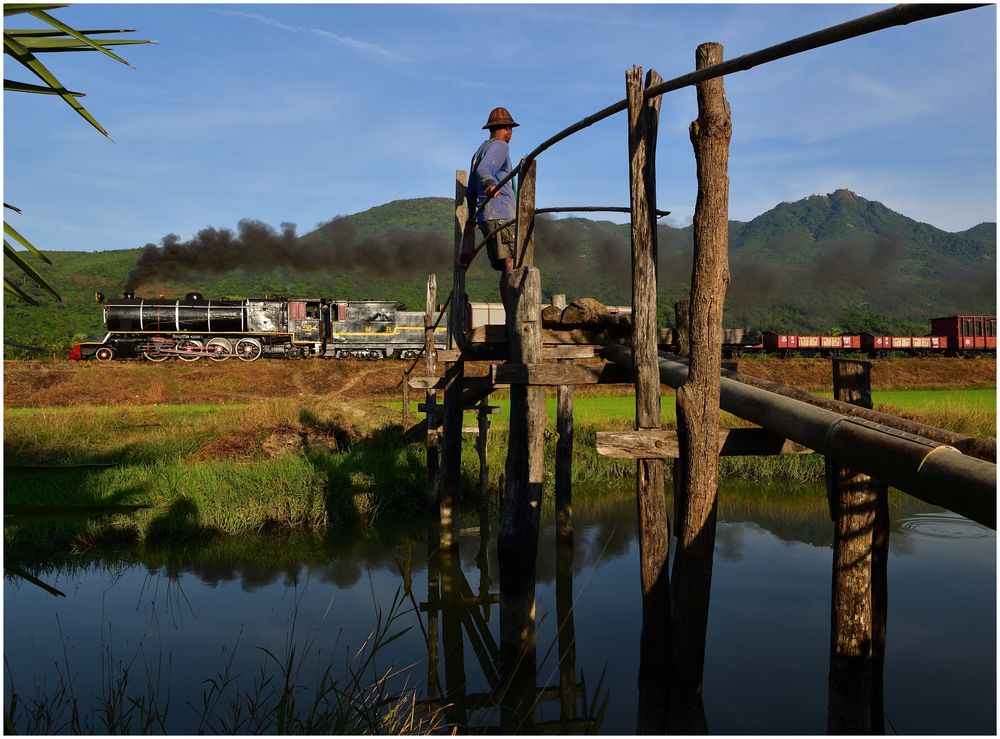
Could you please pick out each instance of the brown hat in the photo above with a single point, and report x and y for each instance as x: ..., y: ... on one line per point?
x: 500, y: 117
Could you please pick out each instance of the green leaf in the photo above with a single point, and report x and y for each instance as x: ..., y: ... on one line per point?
x: 12, y: 207
x: 9, y: 287
x: 16, y: 258
x: 40, y: 32
x: 25, y: 57
x: 47, y: 45
x: 56, y: 23
x: 13, y: 233
x: 15, y: 86
x: 15, y: 8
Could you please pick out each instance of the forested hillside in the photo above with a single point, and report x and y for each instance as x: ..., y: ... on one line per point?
x: 826, y: 263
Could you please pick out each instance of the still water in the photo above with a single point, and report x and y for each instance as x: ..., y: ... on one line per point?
x: 175, y: 619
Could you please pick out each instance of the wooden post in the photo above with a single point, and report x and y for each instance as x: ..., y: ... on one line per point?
x: 698, y: 399
x: 517, y: 542
x: 654, y: 535
x: 564, y: 460
x: 406, y: 400
x: 451, y: 452
x: 682, y: 318
x: 482, y: 447
x: 525, y: 236
x: 559, y: 301
x: 430, y: 370
x: 857, y: 622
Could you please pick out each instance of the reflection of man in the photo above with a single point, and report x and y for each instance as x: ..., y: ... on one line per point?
x: 490, y: 165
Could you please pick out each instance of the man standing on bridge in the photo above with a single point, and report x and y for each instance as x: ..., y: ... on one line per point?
x: 495, y: 205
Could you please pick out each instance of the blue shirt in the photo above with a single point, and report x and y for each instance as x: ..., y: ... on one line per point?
x: 490, y: 164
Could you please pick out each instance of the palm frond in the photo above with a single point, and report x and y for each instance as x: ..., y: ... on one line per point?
x: 17, y: 259
x: 12, y: 289
x: 15, y: 86
x: 56, y: 23
x: 13, y: 233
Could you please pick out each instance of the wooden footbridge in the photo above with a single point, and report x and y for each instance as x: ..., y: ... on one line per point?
x: 865, y: 451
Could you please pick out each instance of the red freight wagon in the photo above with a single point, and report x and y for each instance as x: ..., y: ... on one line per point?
x: 967, y: 333
x: 840, y: 342
x: 780, y: 342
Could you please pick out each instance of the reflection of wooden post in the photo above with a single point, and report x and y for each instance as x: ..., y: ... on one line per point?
x: 698, y: 398
x: 433, y: 608
x: 430, y: 369
x: 451, y: 633
x: 567, y: 632
x: 517, y: 542
x: 643, y: 119
x: 564, y: 460
x: 858, y: 601
x: 451, y: 451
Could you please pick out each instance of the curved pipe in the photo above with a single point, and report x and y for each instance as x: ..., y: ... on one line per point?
x: 933, y: 472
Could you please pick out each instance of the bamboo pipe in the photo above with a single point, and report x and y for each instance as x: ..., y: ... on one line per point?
x: 935, y: 473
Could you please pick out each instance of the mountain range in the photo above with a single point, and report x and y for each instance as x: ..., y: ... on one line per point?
x: 825, y: 264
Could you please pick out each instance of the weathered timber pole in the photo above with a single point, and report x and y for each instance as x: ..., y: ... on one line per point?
x: 517, y: 541
x: 564, y: 459
x: 698, y: 401
x: 525, y: 236
x: 451, y: 452
x: 654, y: 535
x: 935, y: 473
x: 682, y: 322
x: 430, y: 369
x: 854, y: 500
x: 482, y: 447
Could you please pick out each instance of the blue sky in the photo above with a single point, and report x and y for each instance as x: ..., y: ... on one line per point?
x: 300, y: 113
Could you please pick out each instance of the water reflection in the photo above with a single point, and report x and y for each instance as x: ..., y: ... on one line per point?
x: 201, y: 607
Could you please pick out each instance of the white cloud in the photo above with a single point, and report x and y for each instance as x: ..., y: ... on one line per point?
x: 347, y: 42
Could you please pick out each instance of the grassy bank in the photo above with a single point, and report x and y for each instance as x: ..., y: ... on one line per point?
x: 204, y: 470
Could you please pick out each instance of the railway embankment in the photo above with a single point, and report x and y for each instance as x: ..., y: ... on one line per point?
x: 36, y: 384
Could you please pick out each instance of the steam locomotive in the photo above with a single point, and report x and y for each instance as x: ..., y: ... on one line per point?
x: 193, y: 328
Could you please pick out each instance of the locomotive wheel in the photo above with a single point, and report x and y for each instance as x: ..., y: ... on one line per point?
x: 248, y: 350
x: 104, y: 354
x: 155, y: 357
x: 189, y: 345
x: 219, y: 349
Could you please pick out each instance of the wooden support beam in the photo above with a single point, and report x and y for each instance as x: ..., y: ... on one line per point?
x: 698, y: 401
x: 665, y: 444
x: 435, y: 408
x: 561, y: 374
x: 433, y: 382
x: 654, y: 536
x: 430, y: 367
x: 596, y: 336
x: 564, y: 458
x: 451, y: 448
x: 517, y: 542
x: 859, y: 508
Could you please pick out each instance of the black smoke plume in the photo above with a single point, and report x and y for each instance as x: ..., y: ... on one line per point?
x: 335, y: 246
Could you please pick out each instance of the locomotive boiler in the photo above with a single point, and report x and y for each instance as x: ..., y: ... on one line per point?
x: 193, y: 328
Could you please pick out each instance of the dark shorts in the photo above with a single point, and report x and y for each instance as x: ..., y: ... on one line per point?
x: 500, y: 246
